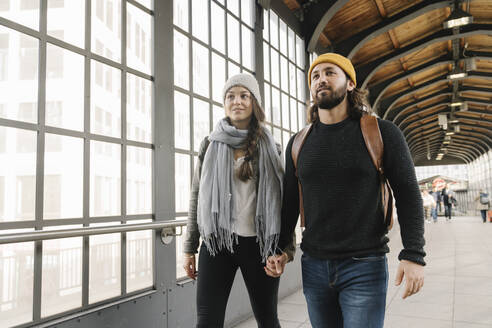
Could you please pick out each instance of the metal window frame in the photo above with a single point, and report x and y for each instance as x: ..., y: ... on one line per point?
x: 39, y: 223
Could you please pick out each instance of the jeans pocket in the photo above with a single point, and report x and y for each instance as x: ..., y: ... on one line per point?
x: 369, y: 258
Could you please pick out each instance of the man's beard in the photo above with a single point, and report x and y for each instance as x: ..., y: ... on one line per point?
x: 331, y: 99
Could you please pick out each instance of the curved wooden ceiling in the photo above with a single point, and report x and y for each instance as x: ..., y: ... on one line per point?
x: 403, y: 56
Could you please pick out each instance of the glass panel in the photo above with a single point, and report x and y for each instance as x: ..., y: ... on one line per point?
x: 266, y: 61
x: 292, y: 79
x: 233, y: 38
x: 302, y: 114
x: 181, y: 121
x: 64, y: 71
x: 266, y: 30
x: 233, y: 69
x: 300, y: 52
x: 201, y: 125
x: 18, y: 72
x: 138, y: 108
x: 247, y: 12
x: 284, y: 76
x: 283, y: 37
x: 18, y: 167
x: 61, y: 288
x: 67, y: 21
x: 218, y: 114
x: 267, y: 105
x: 138, y: 180
x: 276, y: 106
x: 292, y: 44
x: 274, y: 66
x: 293, y: 115
x: 180, y: 17
x: 17, y: 268
x: 273, y: 29
x: 200, y: 70
x: 105, y: 100
x: 218, y: 27
x: 139, y: 39
x: 106, y: 29
x: 182, y: 182
x: 285, y: 140
x: 105, y: 183
x: 139, y: 254
x: 233, y: 6
x: 180, y: 272
x: 63, y: 171
x: 146, y: 3
x: 25, y: 12
x: 301, y: 82
x: 285, y: 111
x: 104, y: 265
x: 277, y: 135
x: 218, y: 77
x: 199, y: 18
x: 248, y: 48
x: 181, y: 60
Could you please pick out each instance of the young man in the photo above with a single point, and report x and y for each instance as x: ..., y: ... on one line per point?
x: 344, y: 266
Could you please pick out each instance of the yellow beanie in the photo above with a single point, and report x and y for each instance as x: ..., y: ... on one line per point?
x: 344, y: 63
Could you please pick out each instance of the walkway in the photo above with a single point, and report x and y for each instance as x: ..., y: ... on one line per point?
x: 458, y: 285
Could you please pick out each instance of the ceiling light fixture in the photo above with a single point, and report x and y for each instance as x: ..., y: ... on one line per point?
x: 449, y: 133
x: 457, y: 75
x: 457, y: 18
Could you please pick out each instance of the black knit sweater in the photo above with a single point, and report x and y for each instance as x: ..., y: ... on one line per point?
x: 342, y: 203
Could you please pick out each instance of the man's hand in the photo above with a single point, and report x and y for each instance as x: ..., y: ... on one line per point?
x: 275, y: 265
x: 190, y: 265
x: 414, y: 277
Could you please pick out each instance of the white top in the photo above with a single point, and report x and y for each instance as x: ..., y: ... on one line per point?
x: 244, y: 203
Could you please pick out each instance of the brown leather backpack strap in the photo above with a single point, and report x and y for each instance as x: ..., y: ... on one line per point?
x: 375, y: 146
x: 297, y: 144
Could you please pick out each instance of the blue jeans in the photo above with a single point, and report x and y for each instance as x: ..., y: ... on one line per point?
x: 434, y: 214
x: 348, y: 293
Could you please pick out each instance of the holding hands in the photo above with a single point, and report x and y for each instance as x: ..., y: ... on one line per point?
x: 275, y: 265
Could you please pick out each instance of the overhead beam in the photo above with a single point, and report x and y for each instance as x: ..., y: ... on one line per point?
x: 438, y: 134
x: 469, y: 158
x: 458, y: 147
x: 407, y: 121
x: 316, y: 17
x: 350, y: 46
x: 438, y: 141
x: 400, y: 111
x: 455, y: 142
x: 366, y: 71
x: 389, y: 102
x: 429, y: 129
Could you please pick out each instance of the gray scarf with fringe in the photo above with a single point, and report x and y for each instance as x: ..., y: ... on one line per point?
x: 215, y: 212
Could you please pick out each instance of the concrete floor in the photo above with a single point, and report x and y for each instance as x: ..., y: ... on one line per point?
x: 458, y: 284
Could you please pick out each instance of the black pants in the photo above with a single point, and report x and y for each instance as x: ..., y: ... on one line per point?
x: 215, y: 278
x: 448, y: 211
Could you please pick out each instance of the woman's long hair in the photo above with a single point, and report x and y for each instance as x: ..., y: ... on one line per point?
x: 255, y: 132
x: 357, y: 106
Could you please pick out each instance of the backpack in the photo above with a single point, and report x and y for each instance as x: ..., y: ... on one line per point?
x: 374, y: 143
x: 484, y: 199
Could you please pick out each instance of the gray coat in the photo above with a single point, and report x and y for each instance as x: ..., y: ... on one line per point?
x: 192, y: 236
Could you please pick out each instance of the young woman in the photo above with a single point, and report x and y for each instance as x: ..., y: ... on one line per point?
x: 235, y: 207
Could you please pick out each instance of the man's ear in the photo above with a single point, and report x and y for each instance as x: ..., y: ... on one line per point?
x: 350, y: 85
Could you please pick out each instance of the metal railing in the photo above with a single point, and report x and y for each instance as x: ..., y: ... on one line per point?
x: 168, y: 230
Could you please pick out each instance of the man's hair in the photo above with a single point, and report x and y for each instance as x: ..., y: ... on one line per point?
x: 357, y: 106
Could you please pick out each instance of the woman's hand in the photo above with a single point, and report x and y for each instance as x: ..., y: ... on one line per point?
x: 190, y: 265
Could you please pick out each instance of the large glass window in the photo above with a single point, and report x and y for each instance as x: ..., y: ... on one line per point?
x: 93, y: 132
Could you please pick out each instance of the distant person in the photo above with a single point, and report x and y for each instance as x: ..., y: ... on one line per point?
x: 429, y: 204
x: 436, y: 196
x: 448, y: 200
x: 483, y: 204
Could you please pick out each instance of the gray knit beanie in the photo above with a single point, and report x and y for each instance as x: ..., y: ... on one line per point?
x: 244, y: 80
